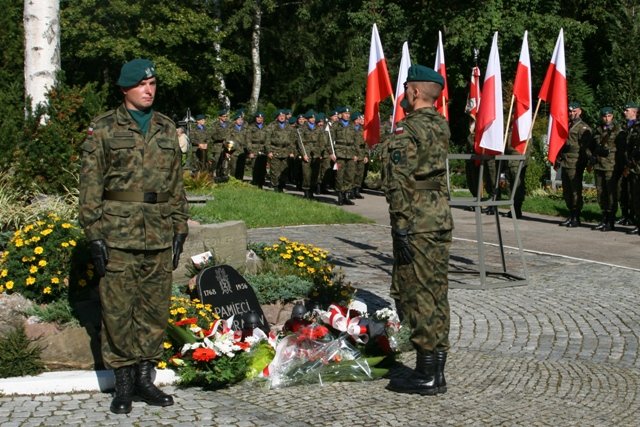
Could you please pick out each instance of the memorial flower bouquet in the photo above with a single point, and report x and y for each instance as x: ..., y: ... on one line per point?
x: 203, y: 349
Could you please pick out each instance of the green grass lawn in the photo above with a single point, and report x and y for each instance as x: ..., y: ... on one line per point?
x: 259, y: 208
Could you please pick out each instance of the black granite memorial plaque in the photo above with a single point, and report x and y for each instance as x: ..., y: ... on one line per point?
x: 229, y: 295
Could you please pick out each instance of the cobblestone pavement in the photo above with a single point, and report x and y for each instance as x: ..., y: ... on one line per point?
x: 562, y: 350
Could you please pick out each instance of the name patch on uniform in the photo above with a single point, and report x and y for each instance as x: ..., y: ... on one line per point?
x: 399, y: 131
x: 122, y: 134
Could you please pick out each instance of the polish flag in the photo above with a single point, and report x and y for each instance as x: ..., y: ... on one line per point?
x: 441, y: 103
x: 490, y: 120
x: 378, y: 88
x: 522, y: 99
x: 405, y: 63
x: 554, y: 92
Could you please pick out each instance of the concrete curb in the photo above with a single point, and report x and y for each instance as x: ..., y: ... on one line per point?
x: 71, y: 381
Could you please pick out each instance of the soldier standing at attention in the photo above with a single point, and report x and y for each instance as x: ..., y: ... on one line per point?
x: 257, y: 138
x: 134, y: 213
x: 218, y: 135
x: 344, y: 139
x: 603, y: 159
x: 573, y: 160
x: 622, y: 165
x: 633, y: 167
x: 199, y: 138
x: 280, y: 147
x: 421, y: 224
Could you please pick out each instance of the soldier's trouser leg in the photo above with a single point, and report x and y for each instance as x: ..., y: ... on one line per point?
x: 571, y: 189
x: 423, y: 290
x: 135, y: 296
x: 259, y: 170
x: 341, y: 176
x: 358, y: 175
x: 623, y: 196
x: 278, y: 172
x: 634, y: 197
x: 306, y: 174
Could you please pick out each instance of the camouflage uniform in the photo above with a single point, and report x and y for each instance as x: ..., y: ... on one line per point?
x: 199, y: 138
x: 415, y: 188
x: 233, y: 147
x: 362, y: 152
x: 603, y: 153
x: 633, y: 163
x: 344, y: 139
x: 256, y: 145
x: 573, y: 160
x: 218, y: 134
x: 280, y: 144
x: 131, y: 196
x: 312, y: 138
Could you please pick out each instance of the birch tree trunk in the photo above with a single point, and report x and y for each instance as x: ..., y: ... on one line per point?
x: 222, y: 94
x: 41, y: 49
x: 255, y: 57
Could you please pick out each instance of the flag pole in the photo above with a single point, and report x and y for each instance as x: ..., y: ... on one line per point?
x: 533, y: 122
x: 506, y: 129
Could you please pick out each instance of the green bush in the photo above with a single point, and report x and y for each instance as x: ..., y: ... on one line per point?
x: 44, y: 259
x: 271, y: 287
x: 59, y: 312
x: 19, y: 356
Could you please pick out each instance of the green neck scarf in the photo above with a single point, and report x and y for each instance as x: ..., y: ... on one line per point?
x: 142, y: 118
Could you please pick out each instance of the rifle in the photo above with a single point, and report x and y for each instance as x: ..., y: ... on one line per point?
x: 304, y: 152
x: 328, y: 130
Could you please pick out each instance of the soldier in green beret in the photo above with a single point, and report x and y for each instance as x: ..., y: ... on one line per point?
x: 344, y: 139
x: 218, y: 135
x: 573, y: 161
x: 421, y: 224
x: 134, y: 213
x: 622, y: 169
x: 280, y: 147
x: 233, y: 150
x: 257, y: 139
x: 603, y: 159
x: 362, y: 154
x: 632, y: 171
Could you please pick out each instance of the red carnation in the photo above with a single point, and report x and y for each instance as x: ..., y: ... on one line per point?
x: 203, y: 354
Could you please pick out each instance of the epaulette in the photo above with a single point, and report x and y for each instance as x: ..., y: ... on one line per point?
x: 165, y: 118
x: 104, y: 115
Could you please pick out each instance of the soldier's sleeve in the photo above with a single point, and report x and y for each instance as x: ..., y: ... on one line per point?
x: 91, y: 185
x: 400, y: 185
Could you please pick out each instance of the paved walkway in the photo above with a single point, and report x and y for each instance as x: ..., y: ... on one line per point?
x: 562, y: 350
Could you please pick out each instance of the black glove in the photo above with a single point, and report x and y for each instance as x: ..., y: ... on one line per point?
x: 178, y: 242
x: 100, y: 256
x: 602, y: 151
x: 401, y: 247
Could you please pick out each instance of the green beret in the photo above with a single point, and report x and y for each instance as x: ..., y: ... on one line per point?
x: 320, y: 117
x: 133, y: 72
x: 292, y: 120
x: 281, y: 111
x: 574, y: 105
x: 223, y: 112
x: 333, y: 112
x: 238, y: 114
x: 200, y: 117
x: 259, y: 114
x: 344, y: 110
x: 309, y: 114
x: 288, y: 111
x: 420, y: 73
x: 606, y: 110
x: 356, y: 115
x: 631, y: 105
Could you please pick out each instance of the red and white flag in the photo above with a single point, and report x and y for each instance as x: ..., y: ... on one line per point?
x: 405, y: 63
x: 378, y: 88
x: 490, y: 118
x: 522, y: 99
x: 441, y: 103
x: 473, y: 100
x: 554, y: 92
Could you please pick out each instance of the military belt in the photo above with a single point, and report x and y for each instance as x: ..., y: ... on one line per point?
x: 428, y: 185
x: 136, y: 196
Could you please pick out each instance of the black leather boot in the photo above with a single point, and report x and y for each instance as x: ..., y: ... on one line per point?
x: 345, y: 197
x: 635, y: 230
x: 610, y: 223
x: 603, y: 221
x: 357, y: 194
x: 575, y: 220
x: 566, y: 221
x: 340, y: 198
x: 146, y: 390
x: 123, y: 396
x: 441, y: 360
x: 424, y: 380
